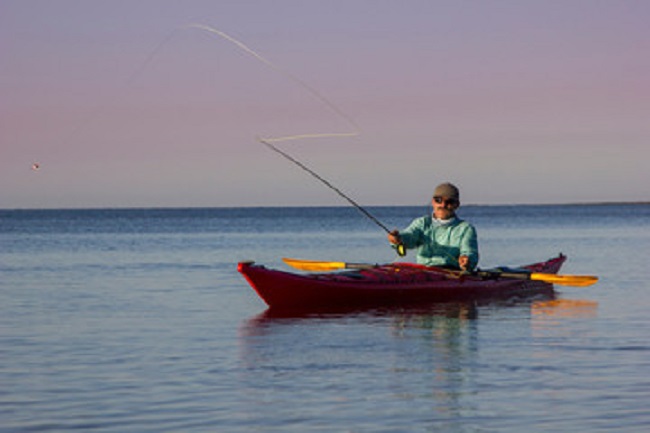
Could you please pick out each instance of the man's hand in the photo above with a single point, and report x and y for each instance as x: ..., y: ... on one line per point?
x: 394, y: 237
x: 463, y: 263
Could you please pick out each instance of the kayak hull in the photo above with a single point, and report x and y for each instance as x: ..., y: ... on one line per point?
x: 392, y: 284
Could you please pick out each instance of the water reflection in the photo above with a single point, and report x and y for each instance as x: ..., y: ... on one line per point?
x: 465, y: 310
x: 347, y: 363
x: 442, y: 352
x: 564, y: 308
x: 552, y: 315
x: 430, y: 362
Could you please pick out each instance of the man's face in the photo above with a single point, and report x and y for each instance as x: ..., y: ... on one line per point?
x: 444, y: 208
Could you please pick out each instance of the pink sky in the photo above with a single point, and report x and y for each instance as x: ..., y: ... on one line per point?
x: 516, y: 102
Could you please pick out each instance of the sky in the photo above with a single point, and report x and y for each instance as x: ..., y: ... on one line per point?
x: 123, y: 103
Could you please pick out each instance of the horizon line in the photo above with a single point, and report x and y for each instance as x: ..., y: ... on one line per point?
x: 598, y: 203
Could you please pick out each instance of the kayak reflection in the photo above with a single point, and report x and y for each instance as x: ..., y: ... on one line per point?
x: 338, y: 360
x: 400, y: 315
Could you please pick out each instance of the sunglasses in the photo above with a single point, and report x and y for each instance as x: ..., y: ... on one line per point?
x: 444, y: 201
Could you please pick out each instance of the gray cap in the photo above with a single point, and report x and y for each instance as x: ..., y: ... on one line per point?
x: 447, y: 190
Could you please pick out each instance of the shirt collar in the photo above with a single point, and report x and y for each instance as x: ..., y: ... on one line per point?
x: 446, y: 222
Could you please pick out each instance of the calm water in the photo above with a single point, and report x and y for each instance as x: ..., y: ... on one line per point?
x: 136, y: 320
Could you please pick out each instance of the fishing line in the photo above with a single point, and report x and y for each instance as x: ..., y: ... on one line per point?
x: 94, y: 114
x: 355, y: 129
x: 267, y: 141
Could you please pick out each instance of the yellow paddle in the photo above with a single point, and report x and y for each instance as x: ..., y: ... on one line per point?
x: 313, y: 265
x: 564, y: 280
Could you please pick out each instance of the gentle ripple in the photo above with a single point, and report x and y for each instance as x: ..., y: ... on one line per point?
x: 136, y: 320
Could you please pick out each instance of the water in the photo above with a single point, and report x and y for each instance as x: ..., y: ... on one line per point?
x: 136, y: 320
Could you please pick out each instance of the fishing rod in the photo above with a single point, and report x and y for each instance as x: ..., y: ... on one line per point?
x: 401, y: 250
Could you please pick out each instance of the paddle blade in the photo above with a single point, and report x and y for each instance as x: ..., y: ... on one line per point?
x: 565, y: 280
x: 312, y: 265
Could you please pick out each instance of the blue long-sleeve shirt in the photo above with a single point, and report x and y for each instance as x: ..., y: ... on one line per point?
x: 441, y: 244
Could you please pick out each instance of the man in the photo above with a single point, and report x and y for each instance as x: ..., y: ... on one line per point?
x: 442, y: 239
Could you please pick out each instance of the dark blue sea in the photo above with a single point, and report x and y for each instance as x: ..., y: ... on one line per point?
x: 136, y: 320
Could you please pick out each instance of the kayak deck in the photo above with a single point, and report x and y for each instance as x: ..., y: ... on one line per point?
x: 390, y: 284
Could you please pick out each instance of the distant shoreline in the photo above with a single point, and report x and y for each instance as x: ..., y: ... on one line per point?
x: 118, y: 208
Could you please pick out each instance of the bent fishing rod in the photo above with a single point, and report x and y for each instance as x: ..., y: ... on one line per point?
x: 401, y: 250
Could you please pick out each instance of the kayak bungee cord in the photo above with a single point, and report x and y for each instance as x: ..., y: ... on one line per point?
x: 401, y: 250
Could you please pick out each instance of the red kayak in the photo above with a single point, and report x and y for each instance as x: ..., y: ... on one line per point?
x: 394, y: 284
